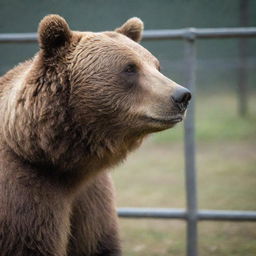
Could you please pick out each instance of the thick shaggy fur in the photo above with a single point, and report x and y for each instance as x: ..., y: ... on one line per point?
x: 67, y: 115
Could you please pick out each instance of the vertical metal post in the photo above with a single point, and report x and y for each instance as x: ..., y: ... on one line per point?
x: 190, y: 148
x: 242, y: 68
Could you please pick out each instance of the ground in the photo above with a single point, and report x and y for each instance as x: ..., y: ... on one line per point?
x: 153, y: 177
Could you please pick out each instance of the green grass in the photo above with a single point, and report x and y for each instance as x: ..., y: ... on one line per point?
x: 153, y: 176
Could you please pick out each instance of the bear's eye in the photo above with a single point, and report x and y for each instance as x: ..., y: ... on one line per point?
x: 130, y: 69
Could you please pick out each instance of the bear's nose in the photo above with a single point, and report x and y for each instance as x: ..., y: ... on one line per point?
x: 181, y: 96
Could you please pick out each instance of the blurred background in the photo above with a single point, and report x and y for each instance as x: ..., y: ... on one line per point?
x: 153, y: 176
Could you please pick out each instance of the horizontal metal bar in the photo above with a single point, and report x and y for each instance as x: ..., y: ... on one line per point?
x: 18, y: 38
x: 225, y: 32
x: 162, y: 213
x: 227, y: 215
x: 192, y: 33
x: 186, y: 33
x: 166, y: 213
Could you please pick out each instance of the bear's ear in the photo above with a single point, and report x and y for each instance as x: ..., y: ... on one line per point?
x: 132, y: 28
x: 53, y: 32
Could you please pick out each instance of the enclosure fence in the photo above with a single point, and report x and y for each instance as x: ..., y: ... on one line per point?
x: 192, y: 215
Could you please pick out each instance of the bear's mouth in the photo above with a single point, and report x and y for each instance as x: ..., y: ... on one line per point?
x: 166, y: 121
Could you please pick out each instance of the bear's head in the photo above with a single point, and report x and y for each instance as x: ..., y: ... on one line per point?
x: 94, y: 95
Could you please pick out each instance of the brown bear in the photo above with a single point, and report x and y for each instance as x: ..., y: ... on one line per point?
x: 67, y: 115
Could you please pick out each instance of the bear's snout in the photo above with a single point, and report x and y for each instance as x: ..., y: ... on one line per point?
x: 181, y: 97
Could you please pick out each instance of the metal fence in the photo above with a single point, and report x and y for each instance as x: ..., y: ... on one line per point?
x: 191, y: 214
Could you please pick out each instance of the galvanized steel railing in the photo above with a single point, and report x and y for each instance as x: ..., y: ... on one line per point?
x: 192, y: 215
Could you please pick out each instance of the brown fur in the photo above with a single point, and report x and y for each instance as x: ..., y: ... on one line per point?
x: 66, y: 116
